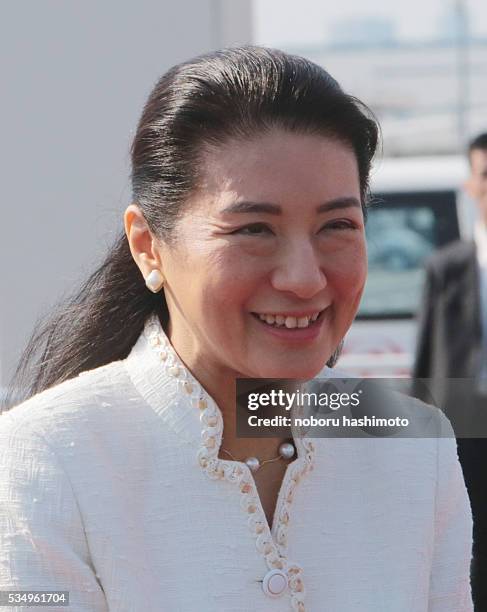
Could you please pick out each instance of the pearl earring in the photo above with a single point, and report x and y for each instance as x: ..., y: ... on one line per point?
x: 154, y: 281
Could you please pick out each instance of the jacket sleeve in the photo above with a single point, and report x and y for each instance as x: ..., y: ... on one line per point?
x: 450, y: 589
x: 42, y: 541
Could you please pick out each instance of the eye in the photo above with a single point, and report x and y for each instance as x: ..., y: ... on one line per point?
x: 254, y: 229
x: 339, y: 224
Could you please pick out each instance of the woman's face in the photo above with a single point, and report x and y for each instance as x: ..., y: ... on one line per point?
x: 276, y: 232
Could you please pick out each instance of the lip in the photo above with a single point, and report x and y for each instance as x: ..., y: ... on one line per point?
x: 296, y: 334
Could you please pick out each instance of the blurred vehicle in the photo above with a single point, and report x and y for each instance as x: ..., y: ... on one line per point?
x: 417, y: 207
x: 399, y: 249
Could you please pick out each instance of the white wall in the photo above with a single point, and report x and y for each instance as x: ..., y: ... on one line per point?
x: 75, y: 76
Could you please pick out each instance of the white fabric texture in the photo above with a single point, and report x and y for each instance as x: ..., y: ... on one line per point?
x: 109, y: 489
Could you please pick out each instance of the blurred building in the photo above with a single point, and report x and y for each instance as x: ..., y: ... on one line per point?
x: 430, y: 98
x: 453, y: 21
x: 360, y: 31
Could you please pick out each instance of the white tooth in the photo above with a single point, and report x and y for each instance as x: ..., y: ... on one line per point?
x: 315, y: 316
x: 270, y: 319
x: 280, y: 319
x: 303, y: 322
x: 290, y: 322
x: 262, y: 317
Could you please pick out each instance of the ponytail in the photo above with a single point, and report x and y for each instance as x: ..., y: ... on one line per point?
x: 99, y: 324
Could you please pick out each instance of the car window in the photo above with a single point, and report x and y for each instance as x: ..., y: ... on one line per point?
x: 403, y: 229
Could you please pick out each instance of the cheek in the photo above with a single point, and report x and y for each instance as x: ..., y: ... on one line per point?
x: 348, y: 288
x: 236, y: 265
x: 348, y: 274
x: 228, y: 284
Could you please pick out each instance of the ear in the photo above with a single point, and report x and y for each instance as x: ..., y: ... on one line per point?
x: 143, y: 245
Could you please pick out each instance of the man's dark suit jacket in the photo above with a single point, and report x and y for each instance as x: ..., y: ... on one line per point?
x: 449, y: 346
x: 449, y: 339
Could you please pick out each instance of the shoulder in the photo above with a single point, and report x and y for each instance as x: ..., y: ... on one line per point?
x: 70, y: 408
x: 451, y: 257
x: 43, y: 537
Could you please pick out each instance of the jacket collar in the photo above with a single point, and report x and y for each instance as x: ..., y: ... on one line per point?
x: 159, y: 376
x: 175, y: 395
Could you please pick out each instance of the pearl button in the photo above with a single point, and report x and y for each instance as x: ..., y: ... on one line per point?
x: 274, y: 583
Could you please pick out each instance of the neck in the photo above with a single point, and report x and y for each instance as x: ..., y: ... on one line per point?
x: 221, y: 386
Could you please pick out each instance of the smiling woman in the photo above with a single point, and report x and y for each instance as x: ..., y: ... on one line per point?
x: 243, y: 256
x: 251, y: 247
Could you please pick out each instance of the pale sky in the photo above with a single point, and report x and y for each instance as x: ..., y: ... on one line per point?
x: 307, y: 22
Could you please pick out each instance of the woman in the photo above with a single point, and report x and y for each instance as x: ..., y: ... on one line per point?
x: 123, y: 480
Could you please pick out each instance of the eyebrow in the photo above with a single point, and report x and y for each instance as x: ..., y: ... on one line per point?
x: 275, y: 209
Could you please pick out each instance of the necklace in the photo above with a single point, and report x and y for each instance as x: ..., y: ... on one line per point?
x: 286, y: 451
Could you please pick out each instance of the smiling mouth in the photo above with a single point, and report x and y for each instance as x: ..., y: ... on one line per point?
x: 289, y: 322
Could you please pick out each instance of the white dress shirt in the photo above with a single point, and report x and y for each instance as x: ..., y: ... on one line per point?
x: 111, y: 489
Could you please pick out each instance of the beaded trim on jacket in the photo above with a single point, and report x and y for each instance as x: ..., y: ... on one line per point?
x: 271, y: 543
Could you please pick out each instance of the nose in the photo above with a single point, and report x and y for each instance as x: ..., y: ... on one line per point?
x: 299, y: 271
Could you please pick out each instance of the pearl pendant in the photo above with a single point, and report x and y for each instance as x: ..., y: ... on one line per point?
x: 252, y: 463
x: 286, y: 450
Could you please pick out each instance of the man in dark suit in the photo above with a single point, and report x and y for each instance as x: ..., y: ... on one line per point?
x: 452, y: 344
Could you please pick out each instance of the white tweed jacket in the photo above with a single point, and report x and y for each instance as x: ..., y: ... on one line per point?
x: 110, y: 490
